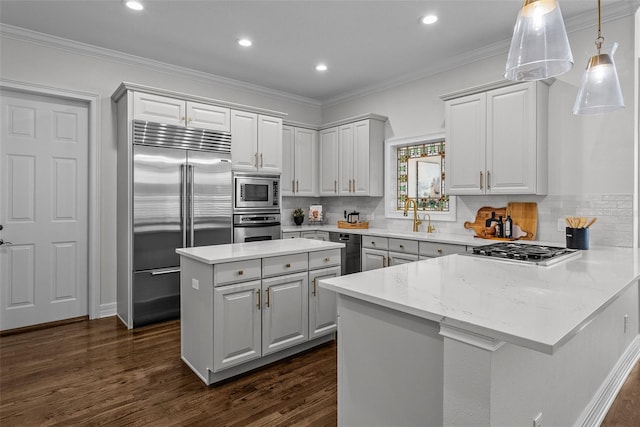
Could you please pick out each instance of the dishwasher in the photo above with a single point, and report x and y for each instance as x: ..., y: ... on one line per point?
x: 350, y: 254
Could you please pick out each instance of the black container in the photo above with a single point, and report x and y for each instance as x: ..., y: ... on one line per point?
x: 577, y: 238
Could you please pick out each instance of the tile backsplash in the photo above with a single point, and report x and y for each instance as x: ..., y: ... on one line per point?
x: 613, y: 228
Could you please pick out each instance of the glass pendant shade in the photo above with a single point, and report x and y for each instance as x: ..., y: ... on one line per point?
x: 539, y: 47
x: 599, y: 90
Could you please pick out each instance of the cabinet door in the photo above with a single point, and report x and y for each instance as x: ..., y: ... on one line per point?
x: 160, y: 109
x: 345, y: 159
x: 329, y: 162
x: 305, y: 162
x: 285, y: 318
x: 205, y: 116
x: 465, y: 136
x: 236, y: 324
x: 360, y: 174
x: 244, y: 141
x: 396, y: 258
x: 322, y: 304
x: 373, y: 259
x: 511, y: 140
x: 270, y: 144
x: 287, y: 179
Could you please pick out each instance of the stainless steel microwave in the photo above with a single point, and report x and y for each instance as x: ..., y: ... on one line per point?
x: 256, y: 192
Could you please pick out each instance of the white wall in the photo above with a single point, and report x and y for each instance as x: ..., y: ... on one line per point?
x: 69, y: 68
x: 591, y: 159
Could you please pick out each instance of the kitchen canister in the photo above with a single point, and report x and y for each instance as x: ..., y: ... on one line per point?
x: 577, y: 238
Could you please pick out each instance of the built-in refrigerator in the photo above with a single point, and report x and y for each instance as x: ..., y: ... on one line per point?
x: 182, y: 197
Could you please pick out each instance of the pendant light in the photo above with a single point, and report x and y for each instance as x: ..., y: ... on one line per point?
x: 539, y: 47
x: 599, y: 90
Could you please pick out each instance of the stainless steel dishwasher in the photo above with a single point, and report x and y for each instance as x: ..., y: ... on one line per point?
x: 350, y: 254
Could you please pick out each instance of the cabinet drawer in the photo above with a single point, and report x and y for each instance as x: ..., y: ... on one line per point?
x: 403, y: 246
x: 290, y: 234
x: 322, y: 259
x: 235, y: 272
x: 433, y: 249
x: 375, y: 242
x: 285, y: 264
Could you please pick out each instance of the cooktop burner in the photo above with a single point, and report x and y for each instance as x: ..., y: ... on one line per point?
x: 519, y: 252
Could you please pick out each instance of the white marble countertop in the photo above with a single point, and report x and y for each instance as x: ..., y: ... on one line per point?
x: 531, y: 306
x: 457, y: 239
x: 217, y: 254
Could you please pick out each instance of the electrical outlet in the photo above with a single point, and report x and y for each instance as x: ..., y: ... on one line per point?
x: 561, y: 224
x: 537, y: 421
x: 195, y: 284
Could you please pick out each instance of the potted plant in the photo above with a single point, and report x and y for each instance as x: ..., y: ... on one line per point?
x: 298, y: 216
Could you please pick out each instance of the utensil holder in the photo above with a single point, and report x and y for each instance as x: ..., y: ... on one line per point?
x: 577, y: 238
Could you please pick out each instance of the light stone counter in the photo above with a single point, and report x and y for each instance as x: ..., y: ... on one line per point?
x: 531, y: 306
x: 244, y: 251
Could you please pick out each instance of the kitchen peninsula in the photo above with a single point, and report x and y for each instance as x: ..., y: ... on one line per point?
x: 459, y: 340
x: 244, y: 305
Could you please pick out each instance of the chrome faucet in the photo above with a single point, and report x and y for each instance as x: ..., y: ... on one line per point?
x: 430, y: 228
x: 416, y: 220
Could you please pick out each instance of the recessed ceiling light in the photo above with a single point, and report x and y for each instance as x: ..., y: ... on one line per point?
x: 135, y: 5
x: 245, y: 42
x: 321, y: 67
x: 429, y: 19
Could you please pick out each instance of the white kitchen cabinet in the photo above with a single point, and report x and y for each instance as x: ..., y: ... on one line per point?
x: 285, y: 318
x: 290, y: 234
x: 315, y: 235
x: 237, y: 331
x: 497, y: 141
x: 435, y: 249
x: 300, y: 162
x: 328, y: 156
x: 353, y: 168
x: 163, y: 109
x: 373, y: 259
x: 256, y: 142
x: 397, y: 258
x: 322, y: 303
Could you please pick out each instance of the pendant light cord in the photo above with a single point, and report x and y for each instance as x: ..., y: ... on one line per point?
x: 600, y: 39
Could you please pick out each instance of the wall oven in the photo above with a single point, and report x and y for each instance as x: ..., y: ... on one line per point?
x: 255, y: 227
x: 256, y: 193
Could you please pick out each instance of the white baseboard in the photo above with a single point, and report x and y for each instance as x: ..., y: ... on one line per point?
x: 107, y: 310
x: 598, y: 407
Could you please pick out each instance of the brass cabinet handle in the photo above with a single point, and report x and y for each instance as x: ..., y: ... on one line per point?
x: 259, y: 298
x: 288, y: 265
x: 349, y: 186
x: 297, y: 186
x: 240, y: 272
x: 293, y: 185
x: 268, y: 298
x: 481, y: 180
x: 354, y: 185
x: 401, y: 246
x: 488, y: 180
x: 335, y: 186
x: 256, y: 159
x: 439, y: 251
x: 314, y: 287
x: 182, y: 118
x: 190, y: 120
x: 261, y: 161
x: 384, y: 261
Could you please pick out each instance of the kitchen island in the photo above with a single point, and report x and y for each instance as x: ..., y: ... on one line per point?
x: 459, y: 340
x: 245, y: 305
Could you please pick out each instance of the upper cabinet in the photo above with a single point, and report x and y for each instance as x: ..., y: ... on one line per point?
x: 497, y: 141
x: 256, y: 142
x: 300, y: 163
x: 179, y: 112
x: 351, y: 158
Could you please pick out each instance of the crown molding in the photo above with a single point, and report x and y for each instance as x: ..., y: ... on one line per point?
x: 610, y: 13
x: 50, y: 41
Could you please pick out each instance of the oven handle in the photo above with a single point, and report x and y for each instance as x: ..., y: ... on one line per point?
x: 262, y: 225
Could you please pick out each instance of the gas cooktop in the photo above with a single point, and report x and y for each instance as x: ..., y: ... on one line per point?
x: 525, y: 253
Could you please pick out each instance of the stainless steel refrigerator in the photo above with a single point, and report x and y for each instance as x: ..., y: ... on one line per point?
x: 182, y: 197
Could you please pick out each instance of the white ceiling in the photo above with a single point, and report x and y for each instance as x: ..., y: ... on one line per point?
x: 366, y: 44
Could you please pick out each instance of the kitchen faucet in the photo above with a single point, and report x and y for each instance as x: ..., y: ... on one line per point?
x: 416, y: 220
x: 430, y: 228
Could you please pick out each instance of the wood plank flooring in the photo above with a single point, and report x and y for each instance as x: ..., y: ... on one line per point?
x: 99, y: 373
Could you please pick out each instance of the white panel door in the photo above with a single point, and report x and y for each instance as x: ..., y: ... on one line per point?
x: 322, y: 304
x: 287, y: 179
x: 373, y: 259
x: 285, y: 320
x: 360, y: 184
x: 346, y: 151
x: 329, y: 162
x: 44, y: 212
x: 270, y: 144
x: 244, y: 141
x: 205, y: 116
x: 396, y: 258
x: 305, y: 162
x: 160, y: 109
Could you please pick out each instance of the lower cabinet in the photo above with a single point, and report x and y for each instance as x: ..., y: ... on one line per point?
x: 322, y: 303
x: 396, y: 258
x: 379, y: 252
x: 373, y: 259
x: 315, y: 235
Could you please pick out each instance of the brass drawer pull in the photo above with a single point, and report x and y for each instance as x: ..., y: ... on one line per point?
x: 481, y: 180
x: 240, y: 272
x: 401, y: 246
x: 259, y: 298
x: 327, y: 259
x: 268, y: 298
x: 439, y: 251
x: 288, y: 265
x: 314, y: 287
x: 488, y: 180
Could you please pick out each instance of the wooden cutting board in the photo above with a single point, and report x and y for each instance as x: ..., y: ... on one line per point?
x: 523, y: 214
x: 353, y: 225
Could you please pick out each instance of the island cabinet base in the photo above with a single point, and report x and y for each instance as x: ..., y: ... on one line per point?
x: 398, y: 369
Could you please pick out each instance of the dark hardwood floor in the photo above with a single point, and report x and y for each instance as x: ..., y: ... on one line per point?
x: 99, y: 373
